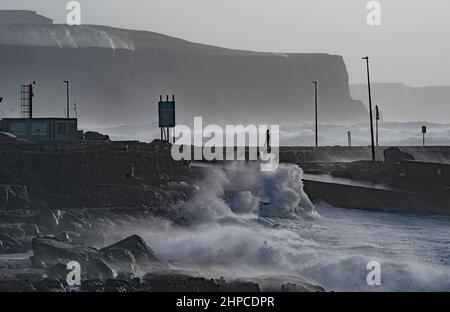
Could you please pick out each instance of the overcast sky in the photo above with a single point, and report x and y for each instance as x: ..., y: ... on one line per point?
x: 412, y: 45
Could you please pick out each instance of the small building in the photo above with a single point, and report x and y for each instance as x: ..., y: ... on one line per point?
x: 41, y: 130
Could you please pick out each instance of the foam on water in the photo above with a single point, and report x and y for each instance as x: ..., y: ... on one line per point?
x: 255, y: 193
x: 330, y: 247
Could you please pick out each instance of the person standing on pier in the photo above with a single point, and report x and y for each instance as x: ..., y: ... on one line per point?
x: 269, y: 148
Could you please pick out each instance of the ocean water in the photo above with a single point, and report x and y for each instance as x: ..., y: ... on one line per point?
x: 330, y: 134
x: 413, y: 251
x: 272, y: 229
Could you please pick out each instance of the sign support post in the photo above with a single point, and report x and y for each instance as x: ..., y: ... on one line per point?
x: 166, y: 114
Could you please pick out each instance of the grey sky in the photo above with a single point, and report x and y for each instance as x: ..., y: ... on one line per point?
x: 412, y: 45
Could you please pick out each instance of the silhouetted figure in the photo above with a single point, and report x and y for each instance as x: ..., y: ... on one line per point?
x: 269, y: 148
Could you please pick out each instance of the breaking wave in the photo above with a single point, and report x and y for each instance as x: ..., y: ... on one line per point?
x: 244, y: 190
x: 248, y: 224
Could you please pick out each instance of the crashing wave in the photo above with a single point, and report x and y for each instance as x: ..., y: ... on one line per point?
x: 246, y: 191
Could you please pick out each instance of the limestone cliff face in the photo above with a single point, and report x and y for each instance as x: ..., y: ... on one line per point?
x: 117, y: 76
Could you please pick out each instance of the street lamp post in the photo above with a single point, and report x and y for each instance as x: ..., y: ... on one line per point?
x: 75, y: 110
x: 315, y: 101
x: 424, y: 131
x: 68, y: 99
x: 370, y: 108
x: 377, y: 119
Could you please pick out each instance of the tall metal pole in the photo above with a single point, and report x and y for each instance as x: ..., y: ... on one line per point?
x: 315, y: 101
x: 424, y: 130
x: 30, y: 112
x: 370, y: 108
x: 376, y: 126
x: 377, y: 120
x: 68, y: 99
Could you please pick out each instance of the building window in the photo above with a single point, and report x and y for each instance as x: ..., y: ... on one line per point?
x: 62, y: 128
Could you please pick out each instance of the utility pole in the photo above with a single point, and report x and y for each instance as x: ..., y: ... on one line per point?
x: 32, y: 89
x: 424, y: 131
x: 75, y: 109
x: 68, y: 99
x: 315, y: 101
x: 377, y: 118
x: 370, y: 108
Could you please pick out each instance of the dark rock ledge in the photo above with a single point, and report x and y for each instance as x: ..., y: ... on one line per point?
x: 116, y: 268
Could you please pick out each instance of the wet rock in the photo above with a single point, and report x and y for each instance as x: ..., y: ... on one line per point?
x: 64, y: 237
x: 16, y: 286
x: 7, y: 238
x: 136, y: 283
x: 100, y: 269
x: 290, y: 287
x: 13, y: 230
x: 126, y: 276
x: 30, y: 274
x: 49, y: 284
x: 10, y: 245
x: 96, y: 269
x: 16, y: 216
x: 6, y: 275
x: 14, y: 197
x: 48, y: 219
x: 176, y: 282
x: 58, y: 271
x: 394, y: 155
x: 52, y: 251
x: 286, y: 284
x: 69, y: 221
x: 19, y: 269
x: 95, y: 285
x: 120, y: 254
x: 88, y: 237
x: 70, y: 226
x: 238, y: 286
x: 116, y: 285
x: 30, y: 229
x: 134, y: 246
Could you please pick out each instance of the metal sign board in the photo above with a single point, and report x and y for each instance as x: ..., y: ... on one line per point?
x: 424, y: 129
x: 166, y: 114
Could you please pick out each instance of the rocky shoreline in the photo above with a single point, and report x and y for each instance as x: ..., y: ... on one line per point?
x: 128, y: 265
x: 68, y: 203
